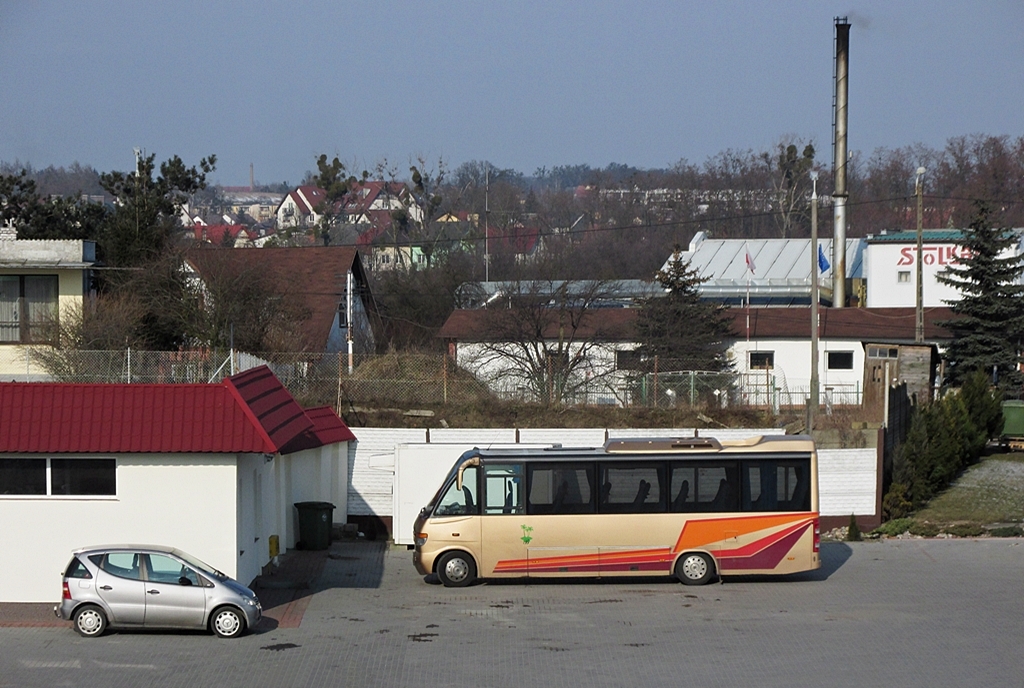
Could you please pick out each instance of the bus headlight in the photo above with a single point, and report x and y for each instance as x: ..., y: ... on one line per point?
x: 421, y: 539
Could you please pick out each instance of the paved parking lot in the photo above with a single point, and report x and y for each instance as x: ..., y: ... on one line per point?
x: 908, y: 613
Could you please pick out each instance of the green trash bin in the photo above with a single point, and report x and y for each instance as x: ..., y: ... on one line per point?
x: 315, y: 521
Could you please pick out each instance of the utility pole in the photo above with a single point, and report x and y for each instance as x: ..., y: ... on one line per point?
x: 812, y: 406
x: 487, y: 231
x: 919, y: 324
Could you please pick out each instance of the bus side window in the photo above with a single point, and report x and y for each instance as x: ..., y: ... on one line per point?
x: 503, y: 489
x: 632, y: 488
x: 717, y: 487
x: 793, y: 485
x: 683, y: 493
x: 759, y: 486
x: 561, y: 489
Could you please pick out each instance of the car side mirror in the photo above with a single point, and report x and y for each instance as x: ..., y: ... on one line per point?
x: 184, y: 581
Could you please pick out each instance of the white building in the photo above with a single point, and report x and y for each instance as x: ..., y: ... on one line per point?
x: 213, y: 469
x: 890, y: 266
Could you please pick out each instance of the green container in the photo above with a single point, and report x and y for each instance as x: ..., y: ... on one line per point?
x: 1013, y: 419
x: 315, y: 522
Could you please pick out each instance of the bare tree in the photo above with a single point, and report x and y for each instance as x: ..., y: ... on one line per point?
x: 544, y: 336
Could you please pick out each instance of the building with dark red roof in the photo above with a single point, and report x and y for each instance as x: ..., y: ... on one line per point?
x: 327, y: 282
x: 213, y: 469
x: 860, y: 350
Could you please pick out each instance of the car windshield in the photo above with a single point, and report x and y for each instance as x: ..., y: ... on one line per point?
x: 201, y: 566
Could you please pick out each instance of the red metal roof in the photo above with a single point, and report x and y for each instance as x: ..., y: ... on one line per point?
x: 249, y: 412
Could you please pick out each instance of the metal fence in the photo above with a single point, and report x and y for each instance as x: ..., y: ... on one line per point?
x: 402, y: 380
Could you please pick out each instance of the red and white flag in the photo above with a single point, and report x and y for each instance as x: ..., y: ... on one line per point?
x: 750, y: 260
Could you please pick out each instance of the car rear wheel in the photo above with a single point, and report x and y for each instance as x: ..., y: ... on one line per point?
x: 227, y: 622
x: 89, y: 621
x: 695, y: 568
x: 456, y: 569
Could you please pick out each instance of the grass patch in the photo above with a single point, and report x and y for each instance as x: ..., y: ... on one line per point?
x: 991, y: 491
x: 1007, y: 531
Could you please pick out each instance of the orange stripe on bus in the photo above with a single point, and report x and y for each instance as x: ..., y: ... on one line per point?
x: 697, y: 534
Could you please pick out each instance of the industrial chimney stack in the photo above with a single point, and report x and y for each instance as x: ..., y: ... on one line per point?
x: 840, y: 157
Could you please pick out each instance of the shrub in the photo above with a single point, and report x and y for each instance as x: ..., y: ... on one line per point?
x: 923, y: 529
x: 853, y: 532
x: 965, y: 530
x: 896, y: 503
x: 1006, y: 531
x: 896, y: 526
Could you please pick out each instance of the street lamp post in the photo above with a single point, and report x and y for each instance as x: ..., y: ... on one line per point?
x: 919, y: 322
x: 812, y: 406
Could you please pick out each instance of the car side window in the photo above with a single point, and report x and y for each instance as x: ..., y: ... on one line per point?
x: 120, y: 564
x: 163, y: 569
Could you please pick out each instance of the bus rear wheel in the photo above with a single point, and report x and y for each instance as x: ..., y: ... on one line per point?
x: 695, y: 568
x: 456, y: 569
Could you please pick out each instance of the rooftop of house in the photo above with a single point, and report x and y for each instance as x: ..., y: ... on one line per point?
x: 316, y: 275
x: 250, y: 412
x: 893, y: 325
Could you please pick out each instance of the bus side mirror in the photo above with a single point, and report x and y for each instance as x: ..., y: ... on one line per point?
x: 458, y: 478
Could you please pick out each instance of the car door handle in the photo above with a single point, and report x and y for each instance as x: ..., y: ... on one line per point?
x: 105, y: 587
x: 153, y: 592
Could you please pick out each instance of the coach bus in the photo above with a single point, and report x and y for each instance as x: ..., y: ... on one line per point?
x: 698, y: 508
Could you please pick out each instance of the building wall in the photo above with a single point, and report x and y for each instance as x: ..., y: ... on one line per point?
x: 313, y: 475
x: 884, y: 263
x: 16, y: 363
x: 789, y: 380
x: 256, y: 519
x: 185, y: 501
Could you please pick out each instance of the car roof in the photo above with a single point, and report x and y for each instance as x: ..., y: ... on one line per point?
x: 163, y: 549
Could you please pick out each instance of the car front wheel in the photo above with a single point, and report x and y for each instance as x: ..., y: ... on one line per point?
x: 227, y: 622
x: 89, y: 621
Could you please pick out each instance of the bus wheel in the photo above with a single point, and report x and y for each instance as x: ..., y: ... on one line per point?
x: 695, y: 568
x: 456, y: 569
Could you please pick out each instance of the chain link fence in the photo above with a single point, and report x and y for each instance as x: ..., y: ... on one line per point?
x: 402, y: 380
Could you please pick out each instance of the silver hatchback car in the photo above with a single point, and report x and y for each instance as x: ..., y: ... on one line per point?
x: 136, y: 586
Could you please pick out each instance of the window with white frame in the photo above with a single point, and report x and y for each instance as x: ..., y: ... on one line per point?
x: 58, y: 477
x: 762, y: 360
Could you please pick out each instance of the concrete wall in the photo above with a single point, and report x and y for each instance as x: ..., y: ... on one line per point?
x: 314, y: 475
x: 185, y: 501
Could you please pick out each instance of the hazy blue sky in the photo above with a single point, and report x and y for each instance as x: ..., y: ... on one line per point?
x: 521, y: 84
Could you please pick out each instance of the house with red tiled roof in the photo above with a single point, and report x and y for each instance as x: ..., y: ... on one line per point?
x: 214, y: 469
x: 861, y: 351
x: 298, y: 208
x: 236, y: 236
x: 327, y: 282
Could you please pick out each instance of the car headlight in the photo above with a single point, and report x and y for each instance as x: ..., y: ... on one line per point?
x: 421, y: 539
x: 251, y: 601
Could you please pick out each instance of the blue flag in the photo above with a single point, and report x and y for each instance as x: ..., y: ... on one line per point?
x: 823, y: 263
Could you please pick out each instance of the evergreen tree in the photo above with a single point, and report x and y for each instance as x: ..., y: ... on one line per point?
x: 684, y: 332
x: 989, y: 327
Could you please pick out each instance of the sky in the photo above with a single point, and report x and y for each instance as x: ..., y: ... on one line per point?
x: 520, y: 84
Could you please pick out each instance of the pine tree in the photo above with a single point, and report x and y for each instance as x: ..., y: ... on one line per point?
x: 684, y: 332
x: 989, y: 328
